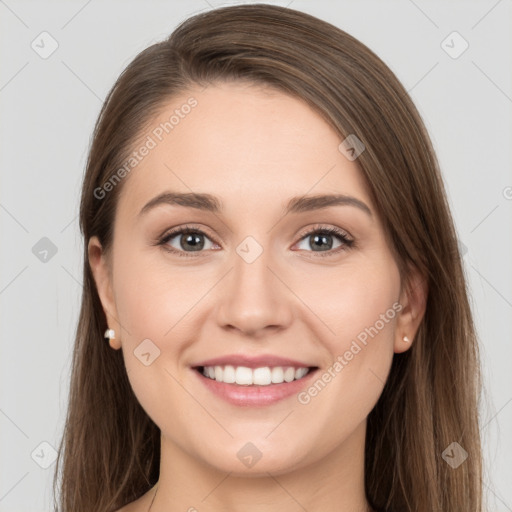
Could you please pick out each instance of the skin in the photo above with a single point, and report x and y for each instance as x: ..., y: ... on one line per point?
x: 253, y: 148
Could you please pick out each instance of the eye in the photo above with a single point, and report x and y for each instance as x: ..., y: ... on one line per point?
x: 184, y: 240
x: 322, y: 239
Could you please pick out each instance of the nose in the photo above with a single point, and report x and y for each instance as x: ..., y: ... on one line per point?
x: 255, y: 299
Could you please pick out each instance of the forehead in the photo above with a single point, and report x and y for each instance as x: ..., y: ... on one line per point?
x: 247, y: 144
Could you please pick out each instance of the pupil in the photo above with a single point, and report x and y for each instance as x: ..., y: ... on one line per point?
x: 193, y: 241
x: 323, y: 239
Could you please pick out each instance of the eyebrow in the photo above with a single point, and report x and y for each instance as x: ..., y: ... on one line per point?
x: 210, y: 203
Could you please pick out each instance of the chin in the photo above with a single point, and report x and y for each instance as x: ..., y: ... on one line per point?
x: 249, y: 461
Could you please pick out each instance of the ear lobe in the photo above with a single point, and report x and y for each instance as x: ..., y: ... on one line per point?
x: 102, y: 275
x: 413, y: 299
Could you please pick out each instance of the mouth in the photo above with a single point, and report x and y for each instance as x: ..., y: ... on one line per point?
x: 262, y: 376
x: 259, y: 386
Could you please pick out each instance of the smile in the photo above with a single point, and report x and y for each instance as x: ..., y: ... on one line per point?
x: 244, y: 376
x: 250, y: 387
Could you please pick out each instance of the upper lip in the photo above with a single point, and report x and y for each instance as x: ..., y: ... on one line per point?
x: 252, y: 361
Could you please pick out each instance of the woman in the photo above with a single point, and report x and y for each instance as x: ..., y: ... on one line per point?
x: 268, y: 242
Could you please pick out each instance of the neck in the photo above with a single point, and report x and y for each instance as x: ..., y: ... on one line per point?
x: 334, y: 483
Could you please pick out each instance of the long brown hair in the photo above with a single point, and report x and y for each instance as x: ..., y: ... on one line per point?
x: 110, y: 450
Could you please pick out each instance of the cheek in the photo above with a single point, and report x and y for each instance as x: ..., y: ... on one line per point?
x: 152, y: 307
x: 157, y: 308
x: 357, y: 307
x: 150, y: 298
x: 355, y: 299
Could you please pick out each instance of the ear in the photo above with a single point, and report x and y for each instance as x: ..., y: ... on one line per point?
x: 413, y: 299
x: 102, y: 274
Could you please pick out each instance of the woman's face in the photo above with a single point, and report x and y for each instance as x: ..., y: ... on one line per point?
x: 255, y: 277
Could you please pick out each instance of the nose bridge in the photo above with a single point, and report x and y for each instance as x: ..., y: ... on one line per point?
x: 254, y: 298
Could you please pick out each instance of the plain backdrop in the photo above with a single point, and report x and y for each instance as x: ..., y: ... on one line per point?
x: 48, y: 104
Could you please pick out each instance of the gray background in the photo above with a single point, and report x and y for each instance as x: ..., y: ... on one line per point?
x: 48, y: 107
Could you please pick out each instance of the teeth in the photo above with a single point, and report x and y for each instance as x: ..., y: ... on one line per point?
x: 244, y: 376
x: 289, y: 374
x: 228, y: 375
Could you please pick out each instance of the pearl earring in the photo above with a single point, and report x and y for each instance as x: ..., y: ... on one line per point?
x: 406, y: 339
x: 110, y: 334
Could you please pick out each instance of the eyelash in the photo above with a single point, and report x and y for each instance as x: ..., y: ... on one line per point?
x: 347, y: 242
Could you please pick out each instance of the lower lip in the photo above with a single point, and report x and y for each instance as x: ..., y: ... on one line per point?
x: 255, y: 395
